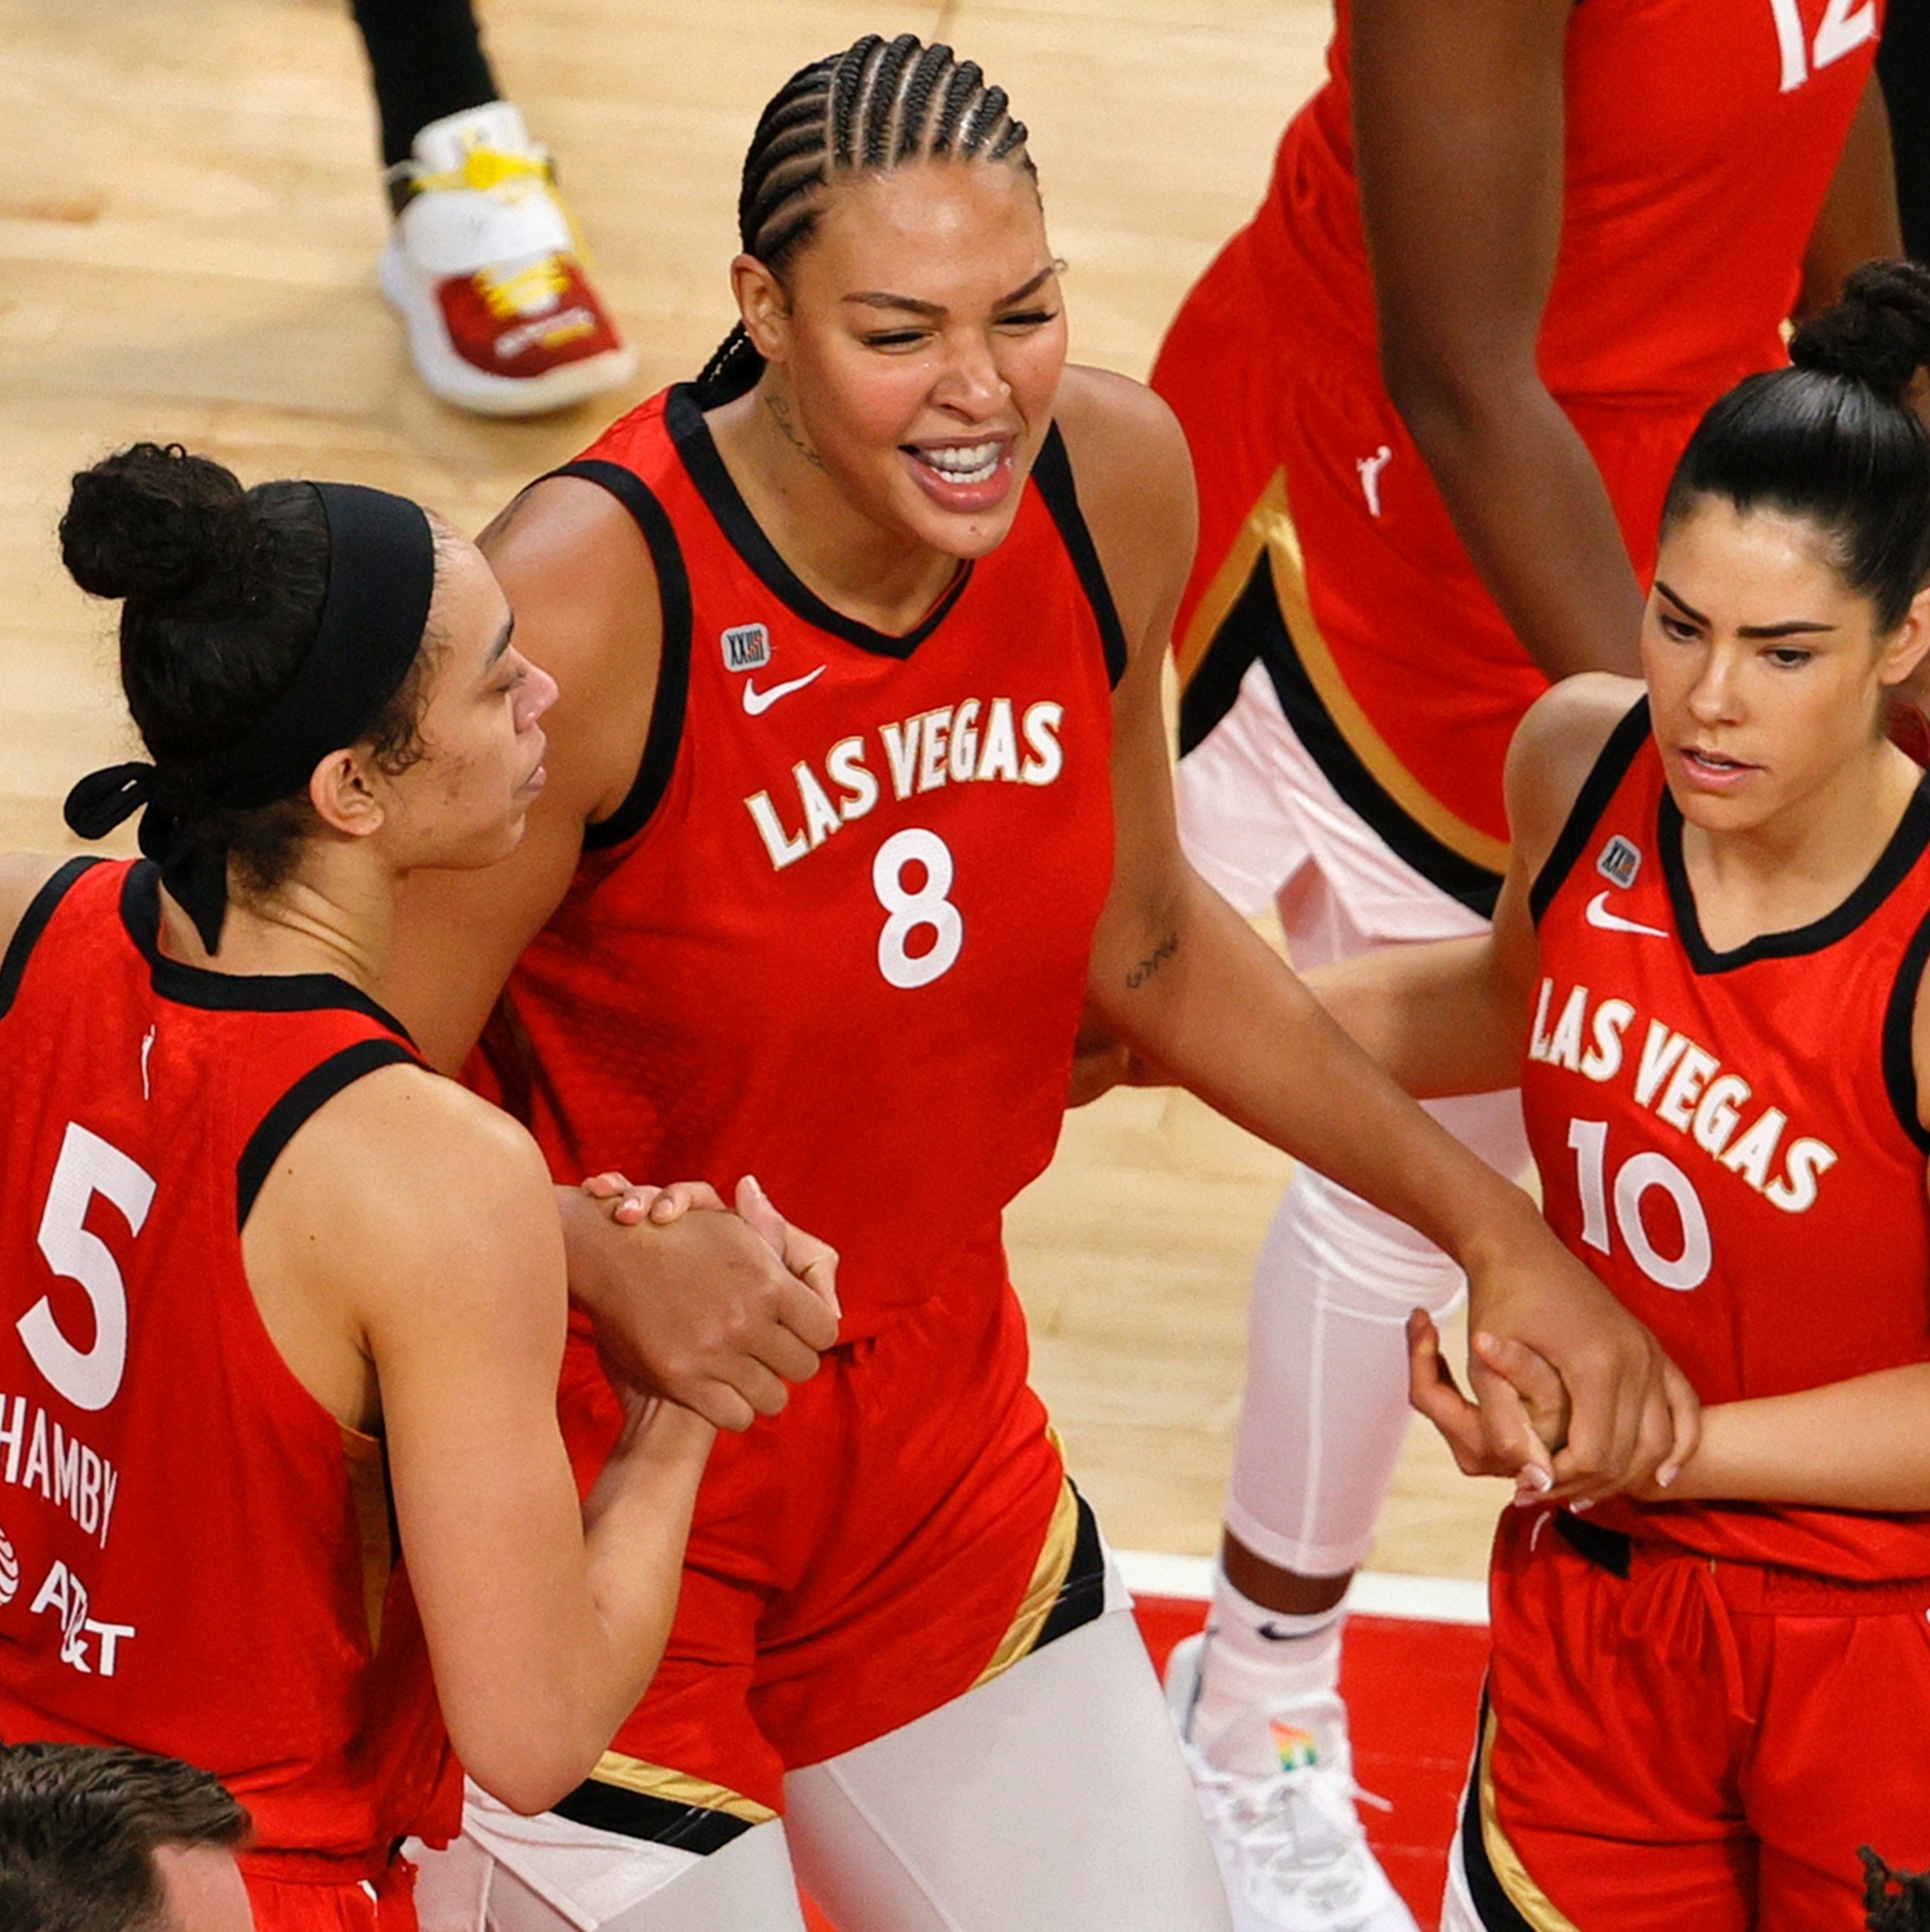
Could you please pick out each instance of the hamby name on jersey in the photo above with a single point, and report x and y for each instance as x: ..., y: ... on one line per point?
x: 1685, y: 1087
x: 36, y: 1453
x: 974, y: 741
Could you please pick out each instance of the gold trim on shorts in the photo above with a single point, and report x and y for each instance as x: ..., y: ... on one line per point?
x: 1526, y: 1897
x: 1269, y: 527
x: 1048, y: 1574
x: 678, y: 1787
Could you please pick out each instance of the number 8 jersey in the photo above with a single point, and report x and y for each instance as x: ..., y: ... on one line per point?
x: 837, y: 935
x: 1731, y: 1139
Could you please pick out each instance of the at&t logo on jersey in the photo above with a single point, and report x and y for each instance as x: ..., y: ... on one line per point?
x: 1620, y: 862
x: 747, y: 647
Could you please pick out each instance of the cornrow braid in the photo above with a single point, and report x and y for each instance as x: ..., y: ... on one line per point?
x: 873, y: 107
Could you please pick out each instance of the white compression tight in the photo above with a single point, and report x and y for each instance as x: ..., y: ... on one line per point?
x: 1052, y: 1800
x: 1326, y: 1405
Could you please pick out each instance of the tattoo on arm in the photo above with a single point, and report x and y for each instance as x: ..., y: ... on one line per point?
x: 1151, y: 964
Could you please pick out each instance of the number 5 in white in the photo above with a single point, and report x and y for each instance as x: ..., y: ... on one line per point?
x: 910, y: 911
x: 1844, y: 26
x: 88, y: 1166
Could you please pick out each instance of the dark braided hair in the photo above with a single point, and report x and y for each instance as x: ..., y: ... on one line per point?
x: 1895, y: 1901
x: 872, y: 108
x: 1834, y: 439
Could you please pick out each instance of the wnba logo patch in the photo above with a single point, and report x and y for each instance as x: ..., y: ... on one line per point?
x: 747, y: 647
x: 1620, y: 862
x: 1295, y: 1746
x: 10, y: 1570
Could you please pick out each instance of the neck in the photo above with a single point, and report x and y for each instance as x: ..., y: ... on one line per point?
x: 878, y: 576
x: 335, y: 914
x: 1802, y: 863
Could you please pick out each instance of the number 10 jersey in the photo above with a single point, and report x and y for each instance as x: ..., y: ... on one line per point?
x: 1731, y: 1139
x: 837, y: 934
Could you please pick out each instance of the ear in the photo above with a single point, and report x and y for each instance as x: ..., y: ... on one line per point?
x: 1904, y: 650
x: 764, y: 306
x: 344, y: 796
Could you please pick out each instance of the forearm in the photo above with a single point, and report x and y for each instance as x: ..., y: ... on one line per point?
x: 1860, y: 1444
x: 1534, y: 516
x: 1434, y: 1016
x: 1206, y: 1000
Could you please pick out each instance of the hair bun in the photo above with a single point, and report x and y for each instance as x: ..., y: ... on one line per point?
x: 1879, y: 334
x: 155, y: 524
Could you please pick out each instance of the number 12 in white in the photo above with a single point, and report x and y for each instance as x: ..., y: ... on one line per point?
x: 1845, y: 25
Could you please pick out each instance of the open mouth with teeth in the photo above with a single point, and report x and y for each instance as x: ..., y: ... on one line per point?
x: 964, y: 476
x: 1712, y: 765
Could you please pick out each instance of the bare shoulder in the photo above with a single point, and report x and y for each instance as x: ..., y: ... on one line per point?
x: 408, y: 1172
x: 1553, y: 749
x: 22, y: 874
x: 1134, y: 475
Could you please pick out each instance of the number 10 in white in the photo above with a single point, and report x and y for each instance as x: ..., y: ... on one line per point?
x: 1637, y: 1175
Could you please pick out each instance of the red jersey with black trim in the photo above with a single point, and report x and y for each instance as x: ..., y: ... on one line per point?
x: 1700, y: 137
x: 194, y: 1554
x: 1731, y: 1139
x: 837, y: 936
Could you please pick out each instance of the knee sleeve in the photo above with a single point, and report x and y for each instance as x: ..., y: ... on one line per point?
x: 1325, y: 1406
x: 1053, y: 1798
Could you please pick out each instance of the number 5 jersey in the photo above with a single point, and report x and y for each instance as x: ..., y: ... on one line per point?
x: 1730, y: 1140
x: 195, y: 1556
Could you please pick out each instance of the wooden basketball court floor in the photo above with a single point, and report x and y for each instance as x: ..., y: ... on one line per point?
x: 190, y: 223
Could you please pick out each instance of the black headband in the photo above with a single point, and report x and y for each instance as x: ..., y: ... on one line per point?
x: 381, y: 577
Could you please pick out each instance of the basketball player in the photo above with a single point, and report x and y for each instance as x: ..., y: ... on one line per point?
x: 275, y: 1295
x: 861, y: 783
x: 1713, y: 939
x: 1434, y: 393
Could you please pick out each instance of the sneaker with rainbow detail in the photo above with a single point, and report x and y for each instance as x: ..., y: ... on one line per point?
x: 1277, y: 1789
x: 486, y: 269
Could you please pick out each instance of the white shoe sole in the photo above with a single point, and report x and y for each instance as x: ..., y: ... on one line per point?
x: 446, y: 375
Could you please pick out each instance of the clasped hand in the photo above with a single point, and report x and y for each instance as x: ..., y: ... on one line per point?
x: 1568, y: 1393
x: 717, y: 1310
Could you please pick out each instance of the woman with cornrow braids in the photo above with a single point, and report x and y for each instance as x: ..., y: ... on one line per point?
x: 858, y: 788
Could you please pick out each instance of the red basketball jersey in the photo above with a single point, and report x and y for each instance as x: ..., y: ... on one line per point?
x: 1699, y: 140
x: 837, y: 935
x: 1730, y: 1140
x: 194, y: 1555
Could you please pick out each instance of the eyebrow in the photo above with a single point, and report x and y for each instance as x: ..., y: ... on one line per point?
x: 501, y: 645
x: 882, y: 298
x: 1796, y: 627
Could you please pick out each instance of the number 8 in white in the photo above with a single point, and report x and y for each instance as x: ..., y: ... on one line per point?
x: 912, y: 911
x: 89, y: 1378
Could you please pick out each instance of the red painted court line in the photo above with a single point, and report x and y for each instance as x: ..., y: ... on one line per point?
x: 1412, y: 1687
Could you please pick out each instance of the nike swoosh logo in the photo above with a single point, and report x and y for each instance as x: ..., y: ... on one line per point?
x: 1598, y: 915
x: 757, y: 701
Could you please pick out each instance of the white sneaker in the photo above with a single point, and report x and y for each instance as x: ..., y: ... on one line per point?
x: 484, y: 263
x: 1289, y: 1842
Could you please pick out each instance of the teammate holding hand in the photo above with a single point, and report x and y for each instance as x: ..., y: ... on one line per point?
x: 1712, y: 940
x: 282, y: 1305
x: 859, y: 785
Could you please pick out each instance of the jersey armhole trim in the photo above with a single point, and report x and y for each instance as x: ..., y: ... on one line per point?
x: 1899, y: 1031
x: 1610, y: 769
x: 1052, y: 471
x: 33, y: 922
x: 673, y: 664
x: 316, y: 1087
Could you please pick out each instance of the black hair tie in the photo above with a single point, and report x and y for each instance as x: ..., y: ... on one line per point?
x: 106, y: 799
